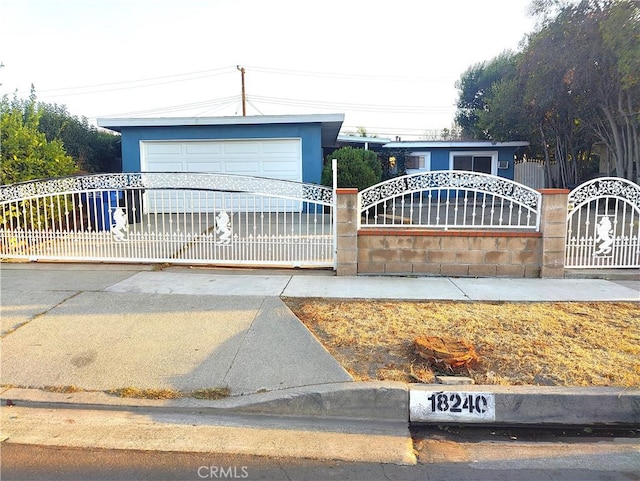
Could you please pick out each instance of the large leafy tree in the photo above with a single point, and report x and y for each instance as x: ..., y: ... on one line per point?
x: 24, y: 150
x: 576, y: 83
x: 475, y: 87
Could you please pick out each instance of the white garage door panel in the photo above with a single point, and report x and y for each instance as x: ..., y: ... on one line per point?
x: 273, y: 158
x: 284, y: 168
x: 173, y: 166
x: 203, y: 167
x: 276, y: 147
x: 242, y: 147
x: 281, y: 158
x: 195, y: 148
x: 242, y: 168
x: 163, y: 148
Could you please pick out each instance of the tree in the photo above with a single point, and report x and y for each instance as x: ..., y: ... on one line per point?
x: 587, y: 65
x: 357, y: 168
x: 475, y: 86
x: 92, y: 149
x: 25, y: 151
x: 575, y: 83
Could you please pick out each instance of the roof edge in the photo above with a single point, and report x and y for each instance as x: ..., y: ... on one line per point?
x: 453, y: 144
x: 116, y: 123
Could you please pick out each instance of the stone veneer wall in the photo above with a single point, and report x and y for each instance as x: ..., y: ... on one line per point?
x: 450, y: 253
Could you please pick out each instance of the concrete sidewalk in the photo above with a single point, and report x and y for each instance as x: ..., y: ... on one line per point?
x: 108, y: 327
x: 104, y: 327
x: 91, y: 329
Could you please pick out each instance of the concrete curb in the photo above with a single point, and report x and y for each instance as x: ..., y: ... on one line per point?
x: 357, y: 422
x: 524, y: 405
x: 358, y: 401
x: 337, y: 422
x: 383, y: 401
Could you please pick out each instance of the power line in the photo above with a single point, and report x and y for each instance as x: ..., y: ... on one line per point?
x: 200, y: 74
x: 417, y: 109
x: 127, y: 84
x: 355, y: 76
x: 174, y: 108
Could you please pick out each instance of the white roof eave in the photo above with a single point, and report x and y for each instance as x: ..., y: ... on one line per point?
x: 453, y: 145
x: 118, y: 123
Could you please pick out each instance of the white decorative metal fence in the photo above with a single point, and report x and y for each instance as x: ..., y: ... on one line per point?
x: 603, y: 225
x: 194, y: 218
x: 450, y: 200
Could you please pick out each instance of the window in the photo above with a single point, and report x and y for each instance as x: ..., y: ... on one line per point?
x: 483, y: 162
x: 418, y: 161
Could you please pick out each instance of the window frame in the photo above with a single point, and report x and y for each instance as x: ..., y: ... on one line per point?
x: 477, y: 153
x: 427, y: 162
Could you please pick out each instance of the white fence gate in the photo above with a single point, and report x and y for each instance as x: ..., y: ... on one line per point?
x: 450, y: 199
x: 603, y: 225
x: 189, y: 218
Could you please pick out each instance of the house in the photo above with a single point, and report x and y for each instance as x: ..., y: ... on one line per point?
x: 496, y: 158
x: 288, y: 147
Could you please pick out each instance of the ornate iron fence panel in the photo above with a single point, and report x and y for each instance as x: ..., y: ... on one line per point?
x: 450, y: 200
x: 603, y: 225
x: 189, y: 218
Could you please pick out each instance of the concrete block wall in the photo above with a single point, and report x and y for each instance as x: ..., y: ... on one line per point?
x: 481, y: 253
x: 449, y: 253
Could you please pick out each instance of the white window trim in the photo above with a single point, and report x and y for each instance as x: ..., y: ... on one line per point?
x: 427, y: 162
x: 479, y: 153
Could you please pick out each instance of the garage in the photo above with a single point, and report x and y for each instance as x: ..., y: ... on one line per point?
x: 272, y: 158
x: 283, y: 147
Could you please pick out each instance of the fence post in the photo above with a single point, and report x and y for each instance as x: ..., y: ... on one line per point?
x: 553, y: 225
x: 347, y: 232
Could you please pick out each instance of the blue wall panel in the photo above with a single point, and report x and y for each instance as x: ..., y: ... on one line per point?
x: 440, y: 157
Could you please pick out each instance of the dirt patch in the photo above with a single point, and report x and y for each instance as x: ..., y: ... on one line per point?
x: 542, y: 343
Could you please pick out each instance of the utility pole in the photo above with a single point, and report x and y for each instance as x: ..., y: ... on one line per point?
x: 244, y: 96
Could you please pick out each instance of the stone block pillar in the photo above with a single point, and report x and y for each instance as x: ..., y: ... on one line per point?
x: 553, y: 225
x: 347, y: 232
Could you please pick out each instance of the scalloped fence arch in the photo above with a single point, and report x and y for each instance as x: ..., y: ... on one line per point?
x: 450, y: 200
x: 603, y: 225
x: 176, y: 217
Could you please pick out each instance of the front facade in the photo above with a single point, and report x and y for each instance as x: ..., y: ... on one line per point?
x: 494, y: 158
x: 285, y: 147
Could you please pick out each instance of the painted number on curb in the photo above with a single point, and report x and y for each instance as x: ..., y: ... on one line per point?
x: 452, y: 406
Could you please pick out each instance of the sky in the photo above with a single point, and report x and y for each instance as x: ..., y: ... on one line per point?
x: 389, y: 66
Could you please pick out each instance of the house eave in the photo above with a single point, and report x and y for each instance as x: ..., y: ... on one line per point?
x: 452, y: 145
x: 330, y: 123
x: 362, y: 140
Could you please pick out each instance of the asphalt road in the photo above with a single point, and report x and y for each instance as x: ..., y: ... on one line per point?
x: 445, y: 454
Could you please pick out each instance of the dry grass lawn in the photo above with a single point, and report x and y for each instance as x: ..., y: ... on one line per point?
x: 561, y: 344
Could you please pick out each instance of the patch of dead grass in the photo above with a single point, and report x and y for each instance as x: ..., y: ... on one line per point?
x: 543, y: 343
x: 210, y: 394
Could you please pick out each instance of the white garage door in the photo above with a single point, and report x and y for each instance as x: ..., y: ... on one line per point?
x: 272, y: 158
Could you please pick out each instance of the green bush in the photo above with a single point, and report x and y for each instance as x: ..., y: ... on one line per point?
x: 26, y: 154
x: 357, y: 168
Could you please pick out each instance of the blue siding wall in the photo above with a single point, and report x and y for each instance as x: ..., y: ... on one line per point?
x: 309, y: 133
x: 440, y: 158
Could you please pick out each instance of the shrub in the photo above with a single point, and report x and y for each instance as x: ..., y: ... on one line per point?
x: 357, y: 168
